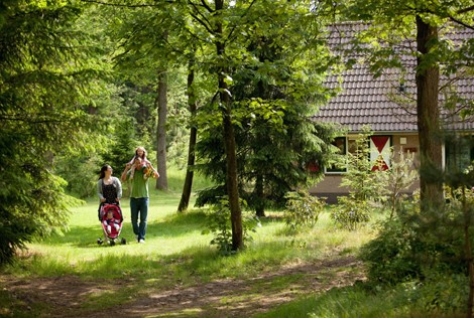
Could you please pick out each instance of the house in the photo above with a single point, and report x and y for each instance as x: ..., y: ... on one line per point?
x: 388, y: 105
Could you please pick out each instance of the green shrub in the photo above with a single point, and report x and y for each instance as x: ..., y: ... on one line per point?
x: 351, y: 213
x: 415, y: 243
x: 390, y: 257
x: 354, y: 210
x: 219, y: 223
x: 302, y: 210
x: 439, y: 295
x: 81, y: 174
x: 395, y: 182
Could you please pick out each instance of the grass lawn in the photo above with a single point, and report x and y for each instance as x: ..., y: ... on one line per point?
x: 177, y: 254
x: 177, y: 273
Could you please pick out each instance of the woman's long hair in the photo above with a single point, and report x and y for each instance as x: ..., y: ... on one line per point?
x: 102, y: 170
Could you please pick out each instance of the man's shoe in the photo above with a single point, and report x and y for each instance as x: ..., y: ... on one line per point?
x: 141, y: 241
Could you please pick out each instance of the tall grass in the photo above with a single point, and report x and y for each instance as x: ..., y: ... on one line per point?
x: 408, y: 300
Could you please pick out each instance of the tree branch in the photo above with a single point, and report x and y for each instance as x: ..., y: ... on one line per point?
x: 243, y: 15
x: 202, y: 19
x: 104, y: 3
x: 461, y: 23
x: 471, y: 8
x: 453, y: 19
x: 202, y: 23
x: 205, y: 5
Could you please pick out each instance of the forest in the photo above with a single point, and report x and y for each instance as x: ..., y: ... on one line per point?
x: 221, y: 94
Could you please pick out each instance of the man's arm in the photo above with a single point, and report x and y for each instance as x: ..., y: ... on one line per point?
x: 155, y: 172
x: 124, y: 173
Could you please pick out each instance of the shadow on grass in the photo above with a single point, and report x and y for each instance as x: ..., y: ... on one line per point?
x: 179, y: 224
x: 200, y: 259
x: 189, y: 265
x: 146, y: 271
x: 272, y: 218
x: 173, y: 226
x: 85, y: 237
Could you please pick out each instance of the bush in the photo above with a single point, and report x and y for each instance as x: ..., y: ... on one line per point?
x: 302, y: 210
x: 219, y: 223
x: 81, y: 174
x: 416, y: 243
x: 350, y: 213
x: 363, y: 185
x: 22, y: 218
x: 439, y: 295
x: 390, y: 258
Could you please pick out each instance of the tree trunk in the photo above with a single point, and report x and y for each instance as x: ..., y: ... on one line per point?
x: 259, y: 181
x: 188, y: 182
x: 162, y: 106
x: 430, y: 137
x: 260, y: 209
x: 232, y: 187
x: 229, y: 141
x: 468, y: 252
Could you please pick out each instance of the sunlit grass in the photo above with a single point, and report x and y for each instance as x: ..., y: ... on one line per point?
x: 176, y: 240
x: 176, y: 251
x: 401, y: 301
x: 76, y: 251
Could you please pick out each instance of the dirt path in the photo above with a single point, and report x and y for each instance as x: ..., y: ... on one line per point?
x: 224, y: 298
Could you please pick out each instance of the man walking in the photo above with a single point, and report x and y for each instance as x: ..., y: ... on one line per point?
x: 139, y: 198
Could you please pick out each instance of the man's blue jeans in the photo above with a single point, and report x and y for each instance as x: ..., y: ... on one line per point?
x: 139, y: 208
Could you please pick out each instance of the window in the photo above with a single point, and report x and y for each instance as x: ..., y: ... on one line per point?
x: 459, y: 152
x: 380, y: 151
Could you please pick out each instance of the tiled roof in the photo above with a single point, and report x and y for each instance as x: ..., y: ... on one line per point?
x: 383, y: 103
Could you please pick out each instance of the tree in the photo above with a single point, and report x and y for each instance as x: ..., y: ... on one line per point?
x: 192, y: 105
x: 150, y: 47
x: 394, y: 23
x: 113, y: 108
x: 43, y: 98
x: 275, y: 144
x: 232, y: 26
x: 162, y: 107
x: 219, y: 31
x: 275, y: 90
x: 429, y: 130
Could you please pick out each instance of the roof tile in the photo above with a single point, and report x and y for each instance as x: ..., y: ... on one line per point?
x: 365, y: 100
